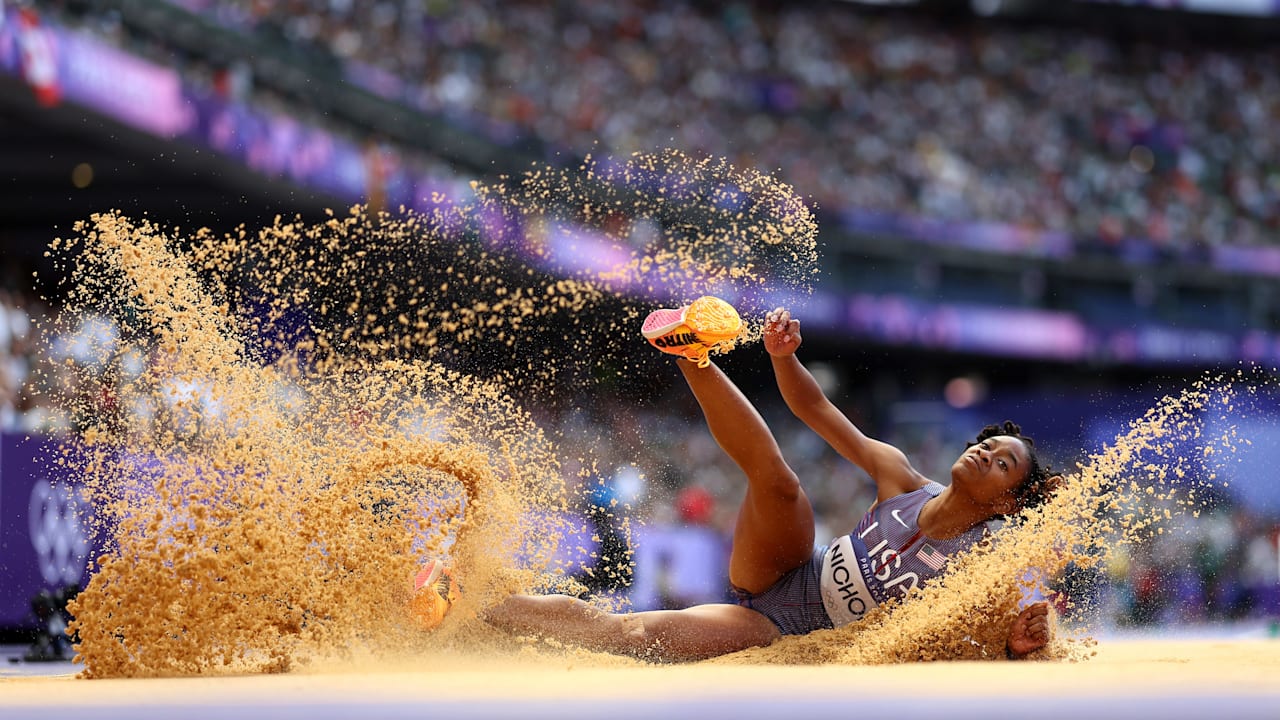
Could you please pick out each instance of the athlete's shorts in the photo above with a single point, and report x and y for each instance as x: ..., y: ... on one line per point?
x: 794, y: 603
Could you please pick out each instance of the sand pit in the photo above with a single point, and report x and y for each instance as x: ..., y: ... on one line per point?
x: 1228, y: 678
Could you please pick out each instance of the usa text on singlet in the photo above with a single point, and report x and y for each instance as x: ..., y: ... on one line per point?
x: 886, y: 556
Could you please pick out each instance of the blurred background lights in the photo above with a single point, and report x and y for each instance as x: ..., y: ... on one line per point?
x: 965, y: 391
x: 1142, y: 159
x: 82, y: 175
x: 827, y: 377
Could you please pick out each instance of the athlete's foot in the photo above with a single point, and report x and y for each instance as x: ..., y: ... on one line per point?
x: 694, y: 331
x: 434, y: 592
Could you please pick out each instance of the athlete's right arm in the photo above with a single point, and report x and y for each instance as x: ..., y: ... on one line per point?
x: 887, y: 465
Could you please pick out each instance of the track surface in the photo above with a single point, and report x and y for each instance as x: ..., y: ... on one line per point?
x: 1214, y: 678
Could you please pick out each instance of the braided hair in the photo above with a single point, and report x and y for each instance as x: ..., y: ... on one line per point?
x: 1040, y: 481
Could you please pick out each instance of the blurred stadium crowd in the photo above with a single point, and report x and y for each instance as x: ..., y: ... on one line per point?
x: 1038, y: 128
x: 19, y: 352
x: 1045, y: 129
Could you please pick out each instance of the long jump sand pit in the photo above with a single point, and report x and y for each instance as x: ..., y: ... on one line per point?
x: 1127, y: 678
x: 274, y: 493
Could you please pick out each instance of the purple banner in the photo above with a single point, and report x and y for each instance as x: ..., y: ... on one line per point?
x: 1013, y: 332
x: 1249, y: 8
x: 1264, y: 260
x: 44, y: 541
x: 276, y: 145
x: 63, y: 65
x: 1048, y: 335
x: 134, y: 91
x: 982, y: 236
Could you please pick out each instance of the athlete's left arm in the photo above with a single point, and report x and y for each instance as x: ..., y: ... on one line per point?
x: 1031, y: 631
x: 887, y: 465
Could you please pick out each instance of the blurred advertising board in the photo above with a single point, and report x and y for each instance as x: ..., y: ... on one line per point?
x: 903, y: 320
x: 65, y: 65
x: 1247, y: 8
x: 45, y: 541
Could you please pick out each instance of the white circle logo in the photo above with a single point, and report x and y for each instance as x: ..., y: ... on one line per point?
x: 57, y: 535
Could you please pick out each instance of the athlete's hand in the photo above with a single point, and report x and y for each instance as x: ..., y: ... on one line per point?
x: 781, y: 333
x: 1030, y: 631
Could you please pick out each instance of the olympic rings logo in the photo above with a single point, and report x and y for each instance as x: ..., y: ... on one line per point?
x: 57, y: 535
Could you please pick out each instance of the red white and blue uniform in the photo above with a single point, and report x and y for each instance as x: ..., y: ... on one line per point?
x: 883, y: 559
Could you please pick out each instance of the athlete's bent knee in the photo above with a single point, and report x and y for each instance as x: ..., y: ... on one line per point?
x: 780, y: 483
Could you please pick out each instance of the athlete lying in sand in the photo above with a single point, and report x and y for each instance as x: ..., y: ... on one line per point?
x: 784, y: 586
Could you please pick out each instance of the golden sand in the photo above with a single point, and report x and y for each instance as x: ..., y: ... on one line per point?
x: 1158, y: 671
x: 324, y: 406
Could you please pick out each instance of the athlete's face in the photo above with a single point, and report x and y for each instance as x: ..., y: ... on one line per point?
x: 990, y: 471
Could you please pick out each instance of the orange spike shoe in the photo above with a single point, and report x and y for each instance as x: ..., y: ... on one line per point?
x: 434, y: 592
x: 694, y: 331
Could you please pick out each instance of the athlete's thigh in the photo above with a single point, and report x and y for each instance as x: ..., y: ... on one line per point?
x: 773, y: 535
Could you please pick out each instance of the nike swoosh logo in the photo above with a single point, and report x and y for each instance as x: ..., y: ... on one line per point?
x: 894, y: 513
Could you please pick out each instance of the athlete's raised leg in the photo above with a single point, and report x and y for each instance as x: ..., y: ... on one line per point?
x: 774, y: 531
